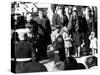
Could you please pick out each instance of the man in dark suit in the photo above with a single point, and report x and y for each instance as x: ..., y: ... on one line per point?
x: 44, y: 31
x: 59, y: 19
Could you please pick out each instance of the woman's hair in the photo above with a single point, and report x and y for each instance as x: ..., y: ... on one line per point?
x: 91, y: 61
x: 92, y: 33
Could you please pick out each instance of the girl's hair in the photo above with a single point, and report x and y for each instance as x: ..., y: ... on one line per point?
x: 93, y: 32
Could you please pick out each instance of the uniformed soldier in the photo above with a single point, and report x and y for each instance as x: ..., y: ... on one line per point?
x: 25, y: 56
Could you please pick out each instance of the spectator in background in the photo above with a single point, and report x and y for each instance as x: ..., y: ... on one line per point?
x: 17, y: 21
x: 88, y: 18
x: 83, y: 29
x: 73, y: 25
x: 59, y: 19
x: 21, y: 22
x: 75, y: 21
x: 67, y: 12
x: 78, y: 42
x: 47, y: 28
x: 50, y: 15
x: 44, y: 31
x: 14, y: 21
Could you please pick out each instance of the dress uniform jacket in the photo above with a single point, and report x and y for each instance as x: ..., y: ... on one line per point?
x: 23, y: 50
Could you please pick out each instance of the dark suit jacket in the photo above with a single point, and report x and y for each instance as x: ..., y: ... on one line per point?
x: 65, y: 20
x: 83, y: 27
x: 56, y: 20
x: 41, y: 26
x: 44, y: 29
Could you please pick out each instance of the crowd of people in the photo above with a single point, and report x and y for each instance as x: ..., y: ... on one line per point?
x: 69, y: 35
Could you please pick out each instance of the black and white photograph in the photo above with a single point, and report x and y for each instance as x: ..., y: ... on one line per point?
x: 50, y: 37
